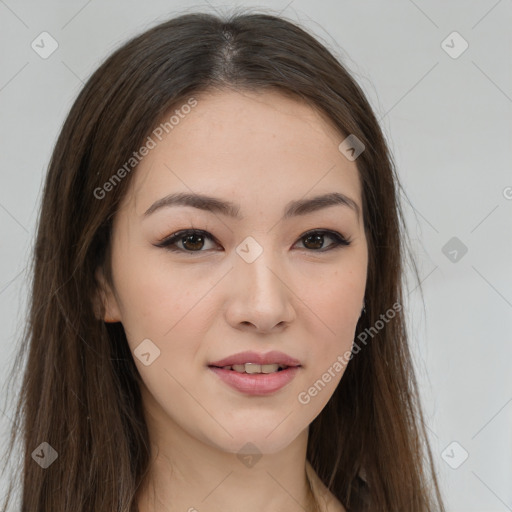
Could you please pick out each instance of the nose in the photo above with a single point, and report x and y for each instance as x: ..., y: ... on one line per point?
x: 260, y: 295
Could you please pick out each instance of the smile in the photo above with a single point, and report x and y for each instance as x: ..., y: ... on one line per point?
x: 259, y: 380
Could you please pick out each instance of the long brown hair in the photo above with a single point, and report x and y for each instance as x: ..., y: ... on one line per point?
x: 80, y: 390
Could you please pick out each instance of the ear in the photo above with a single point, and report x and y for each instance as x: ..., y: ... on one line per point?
x: 105, y: 303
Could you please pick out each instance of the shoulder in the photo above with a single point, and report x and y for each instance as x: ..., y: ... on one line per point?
x: 334, y: 505
x: 328, y: 502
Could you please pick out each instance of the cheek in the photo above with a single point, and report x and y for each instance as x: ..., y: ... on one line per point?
x: 158, y: 300
x: 335, y: 307
x: 336, y: 299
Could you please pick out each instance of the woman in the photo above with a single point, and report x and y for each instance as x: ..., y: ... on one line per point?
x: 216, y: 319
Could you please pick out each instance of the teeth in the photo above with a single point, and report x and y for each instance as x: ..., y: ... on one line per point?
x: 255, y: 368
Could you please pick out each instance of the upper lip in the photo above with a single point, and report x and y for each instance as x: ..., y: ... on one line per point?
x: 273, y: 357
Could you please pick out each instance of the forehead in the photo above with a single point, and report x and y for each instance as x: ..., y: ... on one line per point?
x: 260, y: 145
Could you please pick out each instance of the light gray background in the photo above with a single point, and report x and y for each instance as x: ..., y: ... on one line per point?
x: 448, y: 123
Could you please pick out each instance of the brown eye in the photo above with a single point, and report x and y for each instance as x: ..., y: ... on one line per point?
x: 314, y: 240
x: 192, y: 240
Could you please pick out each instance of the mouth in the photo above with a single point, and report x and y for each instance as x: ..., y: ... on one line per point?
x: 255, y: 373
x: 253, y: 368
x: 256, y: 362
x: 259, y: 380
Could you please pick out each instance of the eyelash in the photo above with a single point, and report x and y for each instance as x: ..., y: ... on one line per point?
x: 168, y: 243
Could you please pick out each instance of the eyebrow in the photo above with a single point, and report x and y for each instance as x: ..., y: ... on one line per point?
x: 230, y: 209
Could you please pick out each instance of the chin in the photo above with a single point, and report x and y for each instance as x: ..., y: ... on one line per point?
x: 266, y: 438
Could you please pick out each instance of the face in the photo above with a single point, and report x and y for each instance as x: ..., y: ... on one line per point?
x: 259, y: 281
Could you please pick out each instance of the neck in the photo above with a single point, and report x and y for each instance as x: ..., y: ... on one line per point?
x: 189, y: 473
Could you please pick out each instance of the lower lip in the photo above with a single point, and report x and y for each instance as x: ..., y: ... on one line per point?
x: 256, y: 383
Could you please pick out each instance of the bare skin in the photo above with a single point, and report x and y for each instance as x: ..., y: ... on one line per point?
x: 301, y: 296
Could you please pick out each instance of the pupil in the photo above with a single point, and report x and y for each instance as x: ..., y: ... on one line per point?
x: 318, y: 240
x: 187, y: 238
